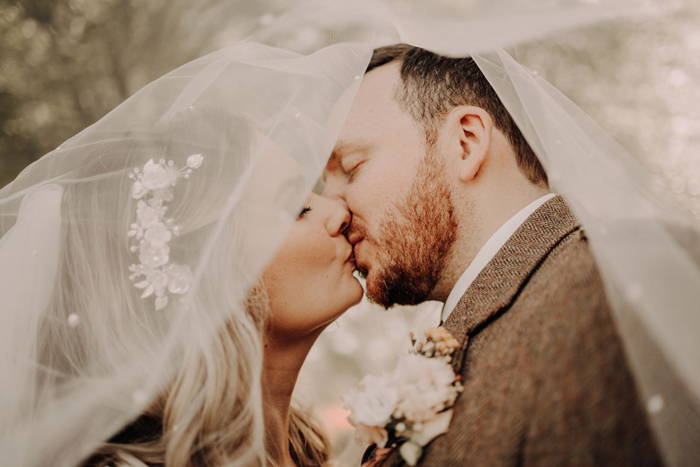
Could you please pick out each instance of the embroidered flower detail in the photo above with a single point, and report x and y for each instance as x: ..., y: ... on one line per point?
x: 147, y: 216
x: 153, y: 255
x: 194, y: 161
x: 138, y: 190
x: 158, y: 234
x: 156, y: 176
x: 153, y: 231
x: 412, y: 405
x: 179, y: 278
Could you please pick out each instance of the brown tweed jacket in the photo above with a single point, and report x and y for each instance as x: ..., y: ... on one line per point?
x: 546, y: 381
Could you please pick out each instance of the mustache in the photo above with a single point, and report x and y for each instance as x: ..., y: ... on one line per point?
x: 358, y: 228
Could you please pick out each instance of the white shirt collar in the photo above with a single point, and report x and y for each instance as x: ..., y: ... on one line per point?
x: 487, y: 252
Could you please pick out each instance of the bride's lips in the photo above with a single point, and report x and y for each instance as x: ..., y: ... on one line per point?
x: 351, y: 257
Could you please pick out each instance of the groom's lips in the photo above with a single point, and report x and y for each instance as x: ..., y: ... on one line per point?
x: 355, y: 252
x: 355, y: 238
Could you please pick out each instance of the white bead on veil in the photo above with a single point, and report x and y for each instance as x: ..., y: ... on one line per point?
x: 73, y: 374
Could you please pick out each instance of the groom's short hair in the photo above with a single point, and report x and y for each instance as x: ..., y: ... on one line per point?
x: 433, y: 84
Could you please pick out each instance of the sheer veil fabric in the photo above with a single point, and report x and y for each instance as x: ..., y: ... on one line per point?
x: 82, y: 354
x: 74, y: 372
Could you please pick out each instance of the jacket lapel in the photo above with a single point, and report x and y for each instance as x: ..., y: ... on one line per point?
x: 500, y: 282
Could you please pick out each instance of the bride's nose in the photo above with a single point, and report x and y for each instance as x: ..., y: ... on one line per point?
x: 339, y: 217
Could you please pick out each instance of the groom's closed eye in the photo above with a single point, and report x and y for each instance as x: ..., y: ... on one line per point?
x: 353, y: 168
x: 349, y: 154
x: 351, y: 162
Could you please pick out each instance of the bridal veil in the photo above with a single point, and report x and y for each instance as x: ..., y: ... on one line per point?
x: 248, y: 129
x: 136, y: 241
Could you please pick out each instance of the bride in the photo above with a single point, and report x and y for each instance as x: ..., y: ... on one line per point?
x: 166, y: 271
x: 207, y: 413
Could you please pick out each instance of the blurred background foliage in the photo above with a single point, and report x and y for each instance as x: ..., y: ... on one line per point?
x: 65, y: 63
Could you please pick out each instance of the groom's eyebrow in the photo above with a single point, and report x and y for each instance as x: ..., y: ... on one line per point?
x: 344, y: 147
x: 341, y: 149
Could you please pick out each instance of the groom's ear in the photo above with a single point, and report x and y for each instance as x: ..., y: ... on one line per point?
x: 474, y: 126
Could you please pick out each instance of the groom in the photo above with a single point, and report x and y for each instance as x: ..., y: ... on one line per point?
x: 450, y: 203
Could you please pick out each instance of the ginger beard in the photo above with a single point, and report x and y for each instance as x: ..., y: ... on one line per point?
x: 414, y: 241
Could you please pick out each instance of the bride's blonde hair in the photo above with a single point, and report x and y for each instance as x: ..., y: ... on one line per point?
x: 208, y: 411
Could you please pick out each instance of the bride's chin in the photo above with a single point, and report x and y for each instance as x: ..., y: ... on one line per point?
x: 352, y: 299
x: 360, y: 292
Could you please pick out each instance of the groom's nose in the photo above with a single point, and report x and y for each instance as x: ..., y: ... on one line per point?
x: 334, y: 189
x: 334, y: 179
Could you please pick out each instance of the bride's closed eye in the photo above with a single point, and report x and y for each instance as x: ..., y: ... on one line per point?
x: 303, y: 212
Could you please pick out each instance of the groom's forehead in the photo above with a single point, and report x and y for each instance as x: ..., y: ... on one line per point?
x: 379, y: 85
x: 373, y: 108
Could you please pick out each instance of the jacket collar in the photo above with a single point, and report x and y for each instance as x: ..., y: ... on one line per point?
x: 499, y: 283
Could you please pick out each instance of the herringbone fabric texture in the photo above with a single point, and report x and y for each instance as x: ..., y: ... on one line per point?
x: 546, y: 381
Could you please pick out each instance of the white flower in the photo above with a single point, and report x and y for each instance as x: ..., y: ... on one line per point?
x: 153, y: 256
x: 138, y: 190
x: 434, y: 428
x: 411, y: 452
x: 374, y: 403
x: 180, y: 278
x: 194, y: 161
x: 158, y: 234
x: 156, y: 176
x: 426, y: 386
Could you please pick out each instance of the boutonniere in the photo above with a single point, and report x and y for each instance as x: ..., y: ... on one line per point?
x: 412, y: 405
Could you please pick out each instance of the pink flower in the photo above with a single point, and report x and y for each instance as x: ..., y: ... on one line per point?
x: 371, y: 434
x: 156, y: 176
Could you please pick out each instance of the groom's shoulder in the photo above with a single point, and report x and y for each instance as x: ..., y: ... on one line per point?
x: 569, y: 267
x: 566, y: 294
x: 568, y: 278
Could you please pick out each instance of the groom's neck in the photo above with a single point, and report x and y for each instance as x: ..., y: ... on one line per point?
x: 479, y: 217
